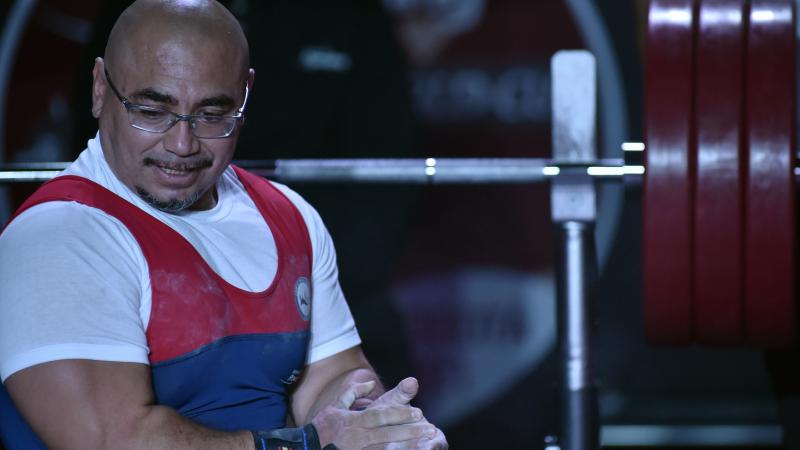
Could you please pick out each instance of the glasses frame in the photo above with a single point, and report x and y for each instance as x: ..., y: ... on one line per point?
x: 190, y: 118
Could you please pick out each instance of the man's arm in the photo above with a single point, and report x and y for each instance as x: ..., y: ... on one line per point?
x: 86, y: 405
x: 323, y: 382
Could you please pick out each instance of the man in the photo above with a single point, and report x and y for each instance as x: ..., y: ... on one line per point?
x: 156, y: 297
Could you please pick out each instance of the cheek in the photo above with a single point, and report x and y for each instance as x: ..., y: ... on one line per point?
x: 114, y: 126
x: 222, y: 151
x: 132, y: 147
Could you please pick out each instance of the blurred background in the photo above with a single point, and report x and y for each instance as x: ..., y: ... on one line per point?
x: 453, y: 284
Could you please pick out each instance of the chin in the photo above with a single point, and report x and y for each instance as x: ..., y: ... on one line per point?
x: 170, y: 205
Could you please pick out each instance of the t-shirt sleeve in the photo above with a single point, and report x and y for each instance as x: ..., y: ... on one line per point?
x: 72, y: 289
x: 332, y: 326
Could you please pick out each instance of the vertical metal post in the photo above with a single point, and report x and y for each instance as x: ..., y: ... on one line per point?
x: 573, y: 209
x: 579, y: 415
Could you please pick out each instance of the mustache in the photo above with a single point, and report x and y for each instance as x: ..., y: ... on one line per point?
x: 200, y: 163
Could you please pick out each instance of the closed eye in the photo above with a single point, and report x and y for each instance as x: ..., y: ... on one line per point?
x: 151, y: 113
x: 210, y: 118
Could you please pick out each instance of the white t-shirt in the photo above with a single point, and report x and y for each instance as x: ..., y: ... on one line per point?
x: 74, y: 283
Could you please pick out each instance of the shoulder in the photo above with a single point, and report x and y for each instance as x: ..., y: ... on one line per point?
x: 316, y: 227
x: 67, y: 228
x: 62, y: 218
x: 310, y: 216
x: 321, y: 243
x: 297, y: 200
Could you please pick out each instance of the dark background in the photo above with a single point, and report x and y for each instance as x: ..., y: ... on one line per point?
x: 452, y: 284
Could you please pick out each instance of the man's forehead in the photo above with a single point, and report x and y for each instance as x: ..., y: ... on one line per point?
x: 177, y: 91
x: 187, y: 47
x: 183, y: 82
x: 176, y: 59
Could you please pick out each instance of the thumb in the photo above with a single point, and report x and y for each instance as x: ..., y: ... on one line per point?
x: 353, y: 393
x: 402, y: 394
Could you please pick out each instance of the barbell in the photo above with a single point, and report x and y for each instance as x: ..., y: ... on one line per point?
x: 718, y: 172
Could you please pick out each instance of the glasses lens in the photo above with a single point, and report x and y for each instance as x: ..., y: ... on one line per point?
x: 150, y: 119
x: 213, y: 126
x: 159, y: 121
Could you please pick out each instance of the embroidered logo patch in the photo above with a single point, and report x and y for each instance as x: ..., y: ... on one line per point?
x: 302, y: 297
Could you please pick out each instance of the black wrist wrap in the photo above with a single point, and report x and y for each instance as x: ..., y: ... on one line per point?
x: 305, y: 438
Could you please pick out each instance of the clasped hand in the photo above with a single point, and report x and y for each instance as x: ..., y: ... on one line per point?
x: 388, y: 423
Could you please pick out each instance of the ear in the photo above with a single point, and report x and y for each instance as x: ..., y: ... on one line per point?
x: 98, y: 87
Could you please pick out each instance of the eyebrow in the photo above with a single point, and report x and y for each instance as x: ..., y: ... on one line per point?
x: 152, y: 94
x: 222, y: 100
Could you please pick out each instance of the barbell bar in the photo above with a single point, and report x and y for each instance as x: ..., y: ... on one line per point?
x: 388, y: 170
x: 401, y: 170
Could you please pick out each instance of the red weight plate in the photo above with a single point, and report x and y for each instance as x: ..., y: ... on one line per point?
x: 718, y: 301
x: 667, y: 196
x: 769, y: 197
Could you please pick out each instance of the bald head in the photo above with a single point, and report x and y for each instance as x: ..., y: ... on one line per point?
x: 148, y: 30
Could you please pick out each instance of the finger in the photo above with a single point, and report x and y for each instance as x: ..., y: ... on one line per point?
x: 382, y: 416
x: 402, y: 394
x: 399, y: 433
x: 361, y: 404
x: 438, y: 442
x: 354, y: 392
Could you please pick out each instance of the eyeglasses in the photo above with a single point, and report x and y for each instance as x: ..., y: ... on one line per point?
x: 157, y: 120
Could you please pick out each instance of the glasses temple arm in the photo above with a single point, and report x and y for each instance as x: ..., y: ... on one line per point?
x: 246, y: 96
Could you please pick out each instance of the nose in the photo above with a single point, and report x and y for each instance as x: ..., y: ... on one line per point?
x: 180, y: 140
